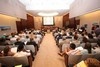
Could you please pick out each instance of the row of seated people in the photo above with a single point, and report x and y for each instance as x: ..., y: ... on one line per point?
x: 73, y: 42
x: 12, y: 52
x: 89, y: 62
x: 29, y: 39
x: 24, y: 36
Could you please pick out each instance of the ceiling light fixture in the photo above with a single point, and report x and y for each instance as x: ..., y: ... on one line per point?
x: 48, y: 14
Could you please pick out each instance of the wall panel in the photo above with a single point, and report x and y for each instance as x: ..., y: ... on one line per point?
x: 12, y: 8
x: 81, y: 7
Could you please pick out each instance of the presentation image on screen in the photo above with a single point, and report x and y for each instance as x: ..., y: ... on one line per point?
x: 48, y: 21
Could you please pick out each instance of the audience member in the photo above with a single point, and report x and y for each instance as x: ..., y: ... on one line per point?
x: 97, y: 30
x: 70, y: 51
x: 91, y: 38
x: 76, y: 41
x: 87, y: 49
x: 7, y: 51
x: 18, y: 42
x: 97, y: 49
x: 92, y: 62
x: 21, y: 51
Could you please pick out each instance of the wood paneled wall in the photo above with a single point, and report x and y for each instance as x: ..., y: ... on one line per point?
x: 25, y: 24
x: 70, y: 22
x: 30, y: 21
x: 65, y: 19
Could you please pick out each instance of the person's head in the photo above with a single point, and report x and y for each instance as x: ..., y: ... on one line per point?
x: 88, y: 47
x: 70, y: 33
x: 29, y: 32
x: 76, y: 32
x: 82, y: 34
x: 6, y: 50
x: 92, y: 62
x: 1, y: 53
x: 98, y: 42
x: 72, y: 46
x: 59, y: 35
x: 12, y: 34
x: 2, y: 39
x: 27, y: 37
x: 18, y: 39
x: 92, y: 32
x: 31, y: 39
x: 97, y: 26
x: 20, y: 48
x: 35, y: 36
x: 90, y: 36
x: 85, y: 40
x: 75, y: 37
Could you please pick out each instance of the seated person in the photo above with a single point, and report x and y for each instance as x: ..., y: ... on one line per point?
x: 97, y: 49
x: 1, y: 54
x: 32, y: 42
x: 21, y: 51
x: 76, y: 41
x: 89, y: 62
x: 87, y: 49
x: 70, y: 51
x: 27, y: 39
x: 37, y: 40
x: 7, y: 51
x: 18, y: 42
x: 84, y: 41
x: 91, y: 38
x: 65, y: 44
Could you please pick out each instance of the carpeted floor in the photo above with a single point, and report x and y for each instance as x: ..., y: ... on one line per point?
x: 47, y: 55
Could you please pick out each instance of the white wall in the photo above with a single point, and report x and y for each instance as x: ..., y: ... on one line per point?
x: 38, y: 22
x: 81, y: 7
x: 8, y: 21
x: 89, y: 19
x: 13, y: 8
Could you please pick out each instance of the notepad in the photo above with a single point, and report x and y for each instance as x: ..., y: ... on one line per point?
x: 18, y: 66
x: 81, y: 64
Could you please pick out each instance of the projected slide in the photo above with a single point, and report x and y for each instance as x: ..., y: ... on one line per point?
x: 48, y: 21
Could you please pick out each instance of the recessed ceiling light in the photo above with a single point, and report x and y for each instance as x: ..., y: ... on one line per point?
x: 47, y: 14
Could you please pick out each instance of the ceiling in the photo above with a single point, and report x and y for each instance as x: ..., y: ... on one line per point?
x: 47, y: 6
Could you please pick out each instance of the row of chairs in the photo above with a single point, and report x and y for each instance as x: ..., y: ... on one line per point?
x: 74, y: 59
x: 10, y: 61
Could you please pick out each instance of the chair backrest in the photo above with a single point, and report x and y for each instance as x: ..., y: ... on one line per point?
x: 60, y: 41
x: 93, y: 44
x: 10, y: 61
x: 97, y: 56
x: 7, y: 61
x: 74, y: 59
x: 2, y: 48
x: 30, y: 47
x: 21, y: 60
x: 85, y: 56
x: 13, y: 41
x: 0, y: 64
